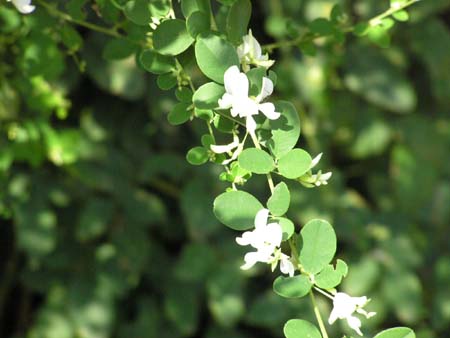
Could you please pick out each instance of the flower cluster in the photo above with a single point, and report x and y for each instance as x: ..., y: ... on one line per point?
x: 266, y: 239
x: 344, y: 307
x: 23, y: 6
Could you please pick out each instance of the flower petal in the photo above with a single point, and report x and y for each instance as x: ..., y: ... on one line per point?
x: 261, y: 218
x: 246, y: 239
x: 315, y: 160
x: 236, y: 83
x: 250, y: 124
x: 273, y: 234
x: 220, y: 149
x: 226, y: 101
x: 266, y: 90
x: 268, y: 109
x: 286, y: 266
x: 250, y: 259
x: 355, y: 324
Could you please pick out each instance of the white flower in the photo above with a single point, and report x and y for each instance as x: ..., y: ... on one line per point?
x: 343, y: 308
x: 265, y: 238
x: 311, y: 180
x: 236, y: 98
x: 250, y: 52
x: 286, y: 265
x: 221, y: 149
x: 23, y: 6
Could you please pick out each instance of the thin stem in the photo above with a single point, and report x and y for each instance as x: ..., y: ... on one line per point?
x: 308, y: 37
x: 323, y: 293
x: 323, y: 330
x: 375, y: 20
x: 66, y: 17
x: 269, y: 176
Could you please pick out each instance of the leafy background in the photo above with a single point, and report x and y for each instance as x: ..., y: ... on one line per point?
x: 107, y: 231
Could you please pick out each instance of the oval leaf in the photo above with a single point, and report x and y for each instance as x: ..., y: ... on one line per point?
x: 179, y: 114
x: 278, y: 203
x: 197, y: 156
x: 156, y: 63
x: 319, y: 245
x: 292, y: 287
x: 238, y: 19
x: 171, y: 37
x: 298, y: 328
x: 237, y: 209
x: 287, y: 227
x: 285, y: 130
x: 207, y: 96
x: 256, y: 161
x: 294, y: 164
x: 397, y: 332
x: 197, y: 23
x: 214, y: 56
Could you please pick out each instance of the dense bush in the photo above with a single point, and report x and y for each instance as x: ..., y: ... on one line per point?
x: 107, y: 230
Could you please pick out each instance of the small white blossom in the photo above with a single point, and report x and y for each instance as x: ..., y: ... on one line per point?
x: 236, y: 98
x: 311, y: 180
x: 286, y: 265
x: 23, y: 6
x: 250, y: 52
x: 266, y: 239
x: 344, y: 306
x: 228, y: 148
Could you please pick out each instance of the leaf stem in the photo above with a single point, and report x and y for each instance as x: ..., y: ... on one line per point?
x: 52, y: 10
x: 309, y: 37
x: 375, y: 20
x: 323, y: 330
x: 269, y: 176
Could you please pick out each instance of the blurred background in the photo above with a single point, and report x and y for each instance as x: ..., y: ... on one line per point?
x: 107, y: 231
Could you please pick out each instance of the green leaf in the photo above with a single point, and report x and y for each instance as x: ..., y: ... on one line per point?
x: 208, y: 95
x: 71, y: 38
x: 184, y: 94
x: 197, y: 156
x: 256, y: 161
x: 298, y: 328
x: 118, y: 49
x: 287, y: 227
x: 156, y: 63
x: 319, y: 245
x: 329, y: 277
x: 292, y: 287
x: 278, y: 203
x: 138, y: 11
x: 379, y: 36
x: 238, y: 19
x: 167, y: 81
x: 197, y: 23
x: 401, y: 16
x: 190, y: 6
x: 179, y: 114
x: 308, y: 48
x: 171, y: 37
x: 237, y: 209
x: 285, y: 130
x: 361, y: 29
x: 322, y: 27
x: 214, y: 56
x: 294, y: 164
x: 396, y: 332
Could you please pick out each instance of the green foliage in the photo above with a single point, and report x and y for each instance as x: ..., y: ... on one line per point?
x: 236, y: 209
x: 300, y: 328
x: 110, y: 232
